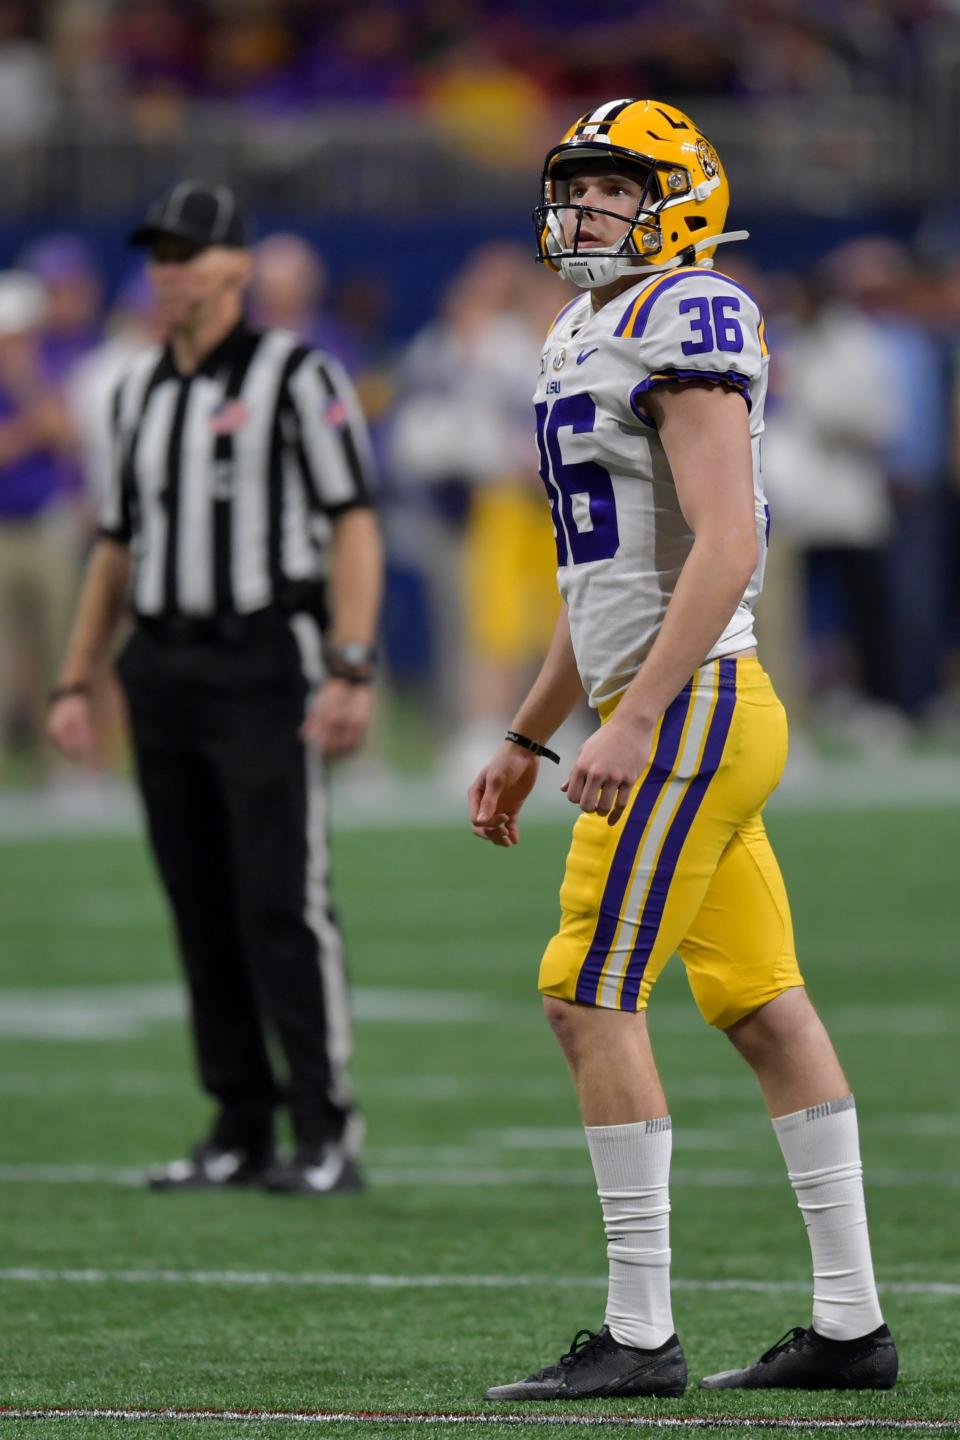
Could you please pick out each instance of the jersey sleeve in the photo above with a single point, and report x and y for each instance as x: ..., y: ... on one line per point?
x: 334, y: 444
x: 702, y: 329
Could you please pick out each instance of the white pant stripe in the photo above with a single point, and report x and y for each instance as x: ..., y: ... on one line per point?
x: 330, y: 953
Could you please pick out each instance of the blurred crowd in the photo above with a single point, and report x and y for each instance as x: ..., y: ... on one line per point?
x: 153, y: 61
x: 860, y: 621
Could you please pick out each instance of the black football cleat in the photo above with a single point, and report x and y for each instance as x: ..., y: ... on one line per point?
x: 211, y: 1167
x: 315, y: 1170
x: 599, y: 1365
x: 804, y: 1360
x: 322, y: 1167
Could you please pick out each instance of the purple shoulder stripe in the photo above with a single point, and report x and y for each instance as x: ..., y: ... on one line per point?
x: 622, y: 322
x: 642, y: 315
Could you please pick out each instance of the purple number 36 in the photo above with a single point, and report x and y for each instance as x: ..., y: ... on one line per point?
x: 725, y: 332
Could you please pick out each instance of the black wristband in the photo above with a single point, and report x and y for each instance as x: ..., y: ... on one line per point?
x: 62, y: 692
x: 532, y: 746
x: 351, y: 677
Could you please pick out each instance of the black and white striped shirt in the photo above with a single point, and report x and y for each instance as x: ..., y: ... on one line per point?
x: 224, y: 482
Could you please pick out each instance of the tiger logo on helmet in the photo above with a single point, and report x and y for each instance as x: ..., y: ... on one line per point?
x: 684, y: 193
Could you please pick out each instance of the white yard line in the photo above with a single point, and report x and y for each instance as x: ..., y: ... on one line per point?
x: 334, y: 1280
x: 363, y: 800
x: 138, y: 1084
x: 123, y: 1012
x: 490, y: 1176
x: 488, y: 1417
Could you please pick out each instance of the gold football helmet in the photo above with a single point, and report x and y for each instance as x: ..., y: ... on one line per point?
x: 683, y: 203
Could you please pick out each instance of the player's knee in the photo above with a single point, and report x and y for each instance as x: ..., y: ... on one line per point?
x: 563, y: 1017
x: 559, y: 1014
x: 765, y: 1027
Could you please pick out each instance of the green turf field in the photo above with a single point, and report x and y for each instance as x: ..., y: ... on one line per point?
x: 478, y: 1251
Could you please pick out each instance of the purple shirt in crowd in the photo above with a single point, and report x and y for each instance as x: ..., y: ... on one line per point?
x: 30, y: 484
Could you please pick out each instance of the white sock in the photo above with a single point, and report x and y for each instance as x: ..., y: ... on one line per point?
x: 632, y: 1166
x: 821, y: 1146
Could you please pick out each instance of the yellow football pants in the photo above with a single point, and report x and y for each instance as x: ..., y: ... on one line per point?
x: 688, y: 867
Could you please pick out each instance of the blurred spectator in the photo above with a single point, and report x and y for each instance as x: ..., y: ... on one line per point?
x: 249, y: 55
x: 483, y: 67
x: 838, y: 409
x: 76, y: 32
x: 881, y: 277
x: 494, y: 111
x: 781, y: 609
x: 28, y: 98
x: 155, y: 47
x: 38, y: 556
x: 288, y: 291
x: 68, y: 269
x: 70, y: 274
x: 362, y: 55
x: 463, y: 433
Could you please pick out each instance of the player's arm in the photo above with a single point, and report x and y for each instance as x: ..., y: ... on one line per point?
x: 504, y: 783
x: 556, y: 689
x: 101, y: 609
x: 705, y: 435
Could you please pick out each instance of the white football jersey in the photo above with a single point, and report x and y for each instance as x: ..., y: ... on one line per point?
x: 621, y: 535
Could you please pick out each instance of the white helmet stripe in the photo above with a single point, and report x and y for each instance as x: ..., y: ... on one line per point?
x: 599, y: 120
x: 603, y: 111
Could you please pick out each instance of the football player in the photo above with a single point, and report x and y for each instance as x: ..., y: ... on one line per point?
x: 649, y: 413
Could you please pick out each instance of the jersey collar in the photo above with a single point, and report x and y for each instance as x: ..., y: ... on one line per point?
x: 215, y: 360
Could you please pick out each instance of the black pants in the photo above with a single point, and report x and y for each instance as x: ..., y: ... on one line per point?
x: 236, y: 809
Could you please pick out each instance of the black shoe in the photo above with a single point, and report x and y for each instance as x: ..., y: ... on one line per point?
x: 323, y: 1167
x: 599, y: 1365
x: 315, y: 1170
x: 804, y: 1360
x: 211, y: 1167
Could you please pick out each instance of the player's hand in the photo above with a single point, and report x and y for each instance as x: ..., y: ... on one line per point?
x: 498, y: 792
x: 70, y: 728
x: 339, y: 718
x: 608, y: 766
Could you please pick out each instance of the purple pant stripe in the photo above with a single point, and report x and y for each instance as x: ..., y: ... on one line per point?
x: 652, y: 916
x: 638, y: 816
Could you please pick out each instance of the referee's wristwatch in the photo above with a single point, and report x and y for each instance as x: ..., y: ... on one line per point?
x: 352, y: 661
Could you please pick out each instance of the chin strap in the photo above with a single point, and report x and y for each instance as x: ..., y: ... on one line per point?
x: 581, y: 273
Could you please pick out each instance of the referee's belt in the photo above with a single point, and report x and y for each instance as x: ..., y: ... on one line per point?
x: 204, y: 630
x: 235, y: 629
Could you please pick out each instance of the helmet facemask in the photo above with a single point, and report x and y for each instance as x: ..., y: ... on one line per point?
x: 664, y: 185
x: 592, y: 265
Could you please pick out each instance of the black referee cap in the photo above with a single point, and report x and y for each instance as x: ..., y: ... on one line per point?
x: 202, y: 214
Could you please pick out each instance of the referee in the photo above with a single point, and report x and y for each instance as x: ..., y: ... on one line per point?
x: 238, y: 528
